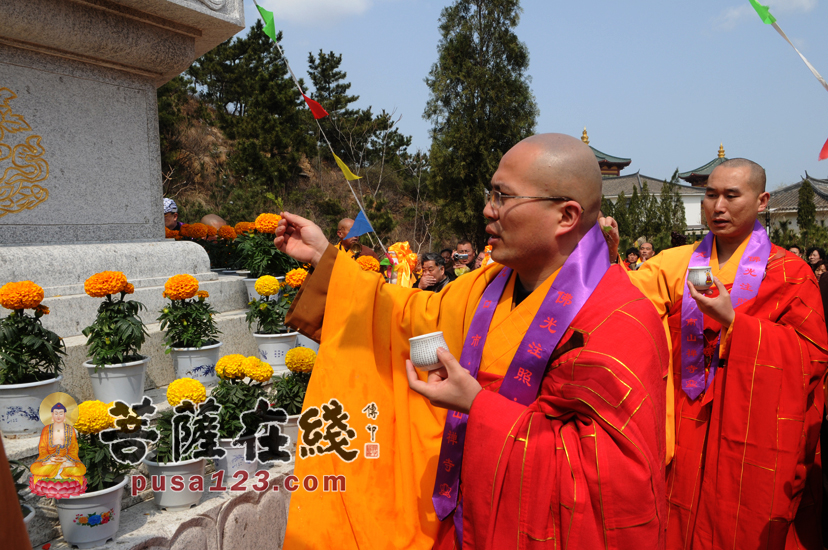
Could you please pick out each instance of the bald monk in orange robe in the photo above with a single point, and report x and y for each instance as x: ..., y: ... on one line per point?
x: 744, y: 466
x: 579, y: 466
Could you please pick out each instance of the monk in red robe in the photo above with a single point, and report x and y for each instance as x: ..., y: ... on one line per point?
x: 563, y: 449
x: 744, y: 398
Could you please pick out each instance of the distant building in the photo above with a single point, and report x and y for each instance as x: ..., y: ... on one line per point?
x: 615, y: 183
x: 784, y: 203
x: 698, y: 177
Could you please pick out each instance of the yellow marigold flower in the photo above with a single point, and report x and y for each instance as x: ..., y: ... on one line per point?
x: 295, y: 277
x: 368, y: 263
x: 300, y: 359
x: 268, y: 285
x: 267, y: 223
x: 22, y: 295
x: 186, y: 389
x: 43, y: 310
x: 181, y: 287
x: 202, y: 294
x: 211, y: 231
x: 93, y: 417
x: 129, y: 288
x: 229, y: 367
x: 257, y: 370
x: 244, y: 227
x: 227, y: 232
x: 105, y: 283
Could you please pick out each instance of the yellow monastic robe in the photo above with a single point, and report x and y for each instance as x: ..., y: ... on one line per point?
x: 367, y: 324
x: 73, y: 469
x: 661, y: 279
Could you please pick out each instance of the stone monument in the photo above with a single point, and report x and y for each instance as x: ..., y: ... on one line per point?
x: 80, y: 170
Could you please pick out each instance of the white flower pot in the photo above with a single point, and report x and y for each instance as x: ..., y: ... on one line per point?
x: 169, y: 499
x: 30, y: 515
x: 303, y: 341
x: 91, y: 519
x: 234, y: 460
x: 274, y: 347
x: 122, y: 381
x: 251, y: 289
x: 196, y: 363
x: 20, y: 405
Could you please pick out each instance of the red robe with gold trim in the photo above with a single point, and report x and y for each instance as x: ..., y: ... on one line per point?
x: 746, y: 470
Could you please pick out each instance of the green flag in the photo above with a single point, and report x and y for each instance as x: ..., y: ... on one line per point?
x: 270, y: 27
x: 763, y: 12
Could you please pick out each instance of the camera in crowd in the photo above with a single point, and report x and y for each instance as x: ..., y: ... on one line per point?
x: 458, y: 256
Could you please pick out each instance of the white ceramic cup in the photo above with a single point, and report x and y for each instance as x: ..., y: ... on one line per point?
x: 424, y: 350
x: 701, y: 277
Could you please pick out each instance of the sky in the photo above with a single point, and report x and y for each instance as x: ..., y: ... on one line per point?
x: 662, y: 83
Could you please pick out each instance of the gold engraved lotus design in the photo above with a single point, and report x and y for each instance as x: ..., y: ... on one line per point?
x: 22, y: 166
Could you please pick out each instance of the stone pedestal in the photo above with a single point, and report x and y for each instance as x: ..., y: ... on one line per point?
x: 80, y: 170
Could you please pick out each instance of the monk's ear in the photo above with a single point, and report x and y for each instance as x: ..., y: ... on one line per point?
x: 570, y: 217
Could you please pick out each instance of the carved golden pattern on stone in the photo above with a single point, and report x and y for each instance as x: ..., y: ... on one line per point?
x: 22, y: 166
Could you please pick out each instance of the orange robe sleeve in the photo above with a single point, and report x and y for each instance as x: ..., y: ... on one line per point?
x: 364, y: 325
x: 582, y: 466
x: 746, y: 473
x: 12, y: 529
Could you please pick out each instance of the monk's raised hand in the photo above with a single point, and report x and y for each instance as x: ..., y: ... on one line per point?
x: 449, y: 387
x: 720, y: 309
x: 300, y: 238
x: 609, y: 228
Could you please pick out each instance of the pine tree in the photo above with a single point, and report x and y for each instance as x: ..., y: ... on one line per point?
x: 806, y: 211
x: 256, y: 104
x: 651, y: 217
x: 678, y: 219
x: 622, y: 216
x: 607, y: 207
x: 634, y: 214
x: 480, y: 106
x: 331, y: 89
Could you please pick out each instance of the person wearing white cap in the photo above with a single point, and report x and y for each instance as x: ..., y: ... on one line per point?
x: 171, y: 215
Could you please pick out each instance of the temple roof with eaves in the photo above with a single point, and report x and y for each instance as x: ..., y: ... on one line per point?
x: 786, y: 199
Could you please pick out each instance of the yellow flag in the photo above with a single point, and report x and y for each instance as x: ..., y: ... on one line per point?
x: 345, y: 170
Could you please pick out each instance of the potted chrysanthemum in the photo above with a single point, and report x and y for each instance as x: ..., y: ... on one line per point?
x: 268, y: 313
x: 259, y: 255
x: 289, y: 390
x: 190, y: 329
x: 92, y: 518
x: 222, y: 249
x: 31, y: 358
x: 241, y: 384
x: 114, y: 340
x: 184, y: 395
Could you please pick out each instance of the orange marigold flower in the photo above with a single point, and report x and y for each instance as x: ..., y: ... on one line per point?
x: 368, y: 263
x: 211, y: 231
x: 227, y: 232
x: 201, y: 294
x: 22, y: 295
x: 195, y: 231
x: 244, y: 227
x: 168, y: 233
x: 295, y: 277
x: 105, y: 283
x: 267, y: 223
x: 43, y: 310
x: 129, y: 288
x: 181, y: 287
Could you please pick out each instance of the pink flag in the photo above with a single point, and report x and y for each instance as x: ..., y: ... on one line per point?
x: 824, y: 153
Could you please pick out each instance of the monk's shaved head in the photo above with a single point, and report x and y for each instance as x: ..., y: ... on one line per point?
x: 345, y: 224
x: 756, y: 174
x: 560, y: 165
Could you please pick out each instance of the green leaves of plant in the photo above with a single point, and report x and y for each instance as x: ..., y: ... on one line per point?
x: 117, y: 334
x: 189, y: 324
x: 28, y: 351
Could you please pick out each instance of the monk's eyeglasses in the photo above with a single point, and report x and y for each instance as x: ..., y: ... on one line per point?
x: 496, y: 198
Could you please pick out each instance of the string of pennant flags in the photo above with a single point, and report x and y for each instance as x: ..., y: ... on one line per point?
x: 362, y: 223
x: 768, y: 19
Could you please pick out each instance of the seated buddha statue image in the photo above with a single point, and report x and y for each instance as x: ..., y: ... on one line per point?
x: 58, y: 471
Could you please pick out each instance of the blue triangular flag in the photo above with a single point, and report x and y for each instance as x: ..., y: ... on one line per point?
x: 361, y: 226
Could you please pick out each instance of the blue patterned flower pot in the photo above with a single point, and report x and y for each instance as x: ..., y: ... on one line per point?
x: 91, y: 519
x: 20, y: 406
x: 196, y: 363
x: 274, y: 347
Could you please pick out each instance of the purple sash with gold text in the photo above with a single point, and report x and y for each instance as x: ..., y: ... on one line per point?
x: 745, y: 287
x: 579, y: 276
